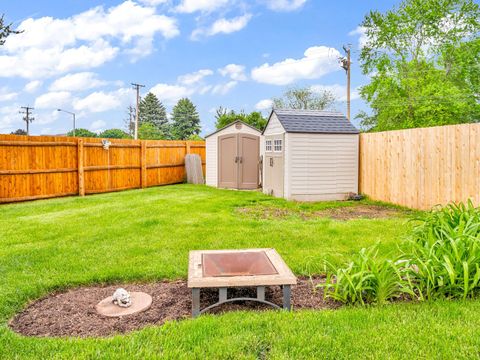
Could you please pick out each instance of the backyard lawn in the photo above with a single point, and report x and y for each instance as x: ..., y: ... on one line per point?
x: 145, y: 235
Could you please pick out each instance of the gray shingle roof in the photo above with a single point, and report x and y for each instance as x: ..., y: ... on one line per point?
x: 315, y: 121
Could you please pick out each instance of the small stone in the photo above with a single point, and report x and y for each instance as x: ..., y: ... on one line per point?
x: 140, y: 302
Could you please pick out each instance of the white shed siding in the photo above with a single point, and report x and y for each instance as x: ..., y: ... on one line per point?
x: 321, y: 166
x: 274, y: 126
x: 211, y: 151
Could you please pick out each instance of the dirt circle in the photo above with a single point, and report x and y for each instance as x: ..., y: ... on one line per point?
x: 61, y: 314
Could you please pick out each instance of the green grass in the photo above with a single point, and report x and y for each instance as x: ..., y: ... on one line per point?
x: 146, y: 235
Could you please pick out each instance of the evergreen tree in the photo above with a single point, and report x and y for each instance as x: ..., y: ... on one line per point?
x: 186, y: 121
x: 152, y: 111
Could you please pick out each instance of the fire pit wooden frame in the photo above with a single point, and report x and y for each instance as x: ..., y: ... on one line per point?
x: 196, y: 280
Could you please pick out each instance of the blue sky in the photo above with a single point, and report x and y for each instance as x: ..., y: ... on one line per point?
x: 82, y: 56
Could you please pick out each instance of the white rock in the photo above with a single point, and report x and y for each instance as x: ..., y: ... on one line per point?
x: 121, y: 297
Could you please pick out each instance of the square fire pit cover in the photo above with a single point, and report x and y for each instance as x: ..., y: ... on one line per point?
x: 247, y: 263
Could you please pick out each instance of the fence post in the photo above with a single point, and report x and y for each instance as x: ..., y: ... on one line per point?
x: 187, y: 145
x: 143, y: 163
x: 80, y: 158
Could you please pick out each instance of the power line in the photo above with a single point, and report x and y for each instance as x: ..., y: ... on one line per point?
x: 137, y: 88
x: 27, y: 112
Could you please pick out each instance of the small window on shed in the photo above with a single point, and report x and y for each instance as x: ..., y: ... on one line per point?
x: 277, y: 145
x: 268, y: 145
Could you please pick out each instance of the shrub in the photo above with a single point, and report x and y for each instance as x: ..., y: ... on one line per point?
x: 366, y: 279
x: 444, y: 253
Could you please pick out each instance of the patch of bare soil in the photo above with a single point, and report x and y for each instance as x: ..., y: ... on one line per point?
x: 358, y: 212
x: 340, y: 213
x: 72, y: 313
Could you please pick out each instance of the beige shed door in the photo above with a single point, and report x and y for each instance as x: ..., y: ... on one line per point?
x: 238, y: 156
x: 248, y: 150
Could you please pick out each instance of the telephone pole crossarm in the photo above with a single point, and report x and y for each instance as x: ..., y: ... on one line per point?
x: 27, y: 112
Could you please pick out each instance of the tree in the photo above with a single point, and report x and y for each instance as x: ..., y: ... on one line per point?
x: 254, y: 119
x: 114, y: 134
x: 185, y: 120
x: 304, y: 98
x: 130, y: 120
x: 151, y: 110
x: 195, y: 137
x: 19, y: 132
x: 422, y: 58
x: 148, y: 131
x: 6, y: 30
x: 82, y: 133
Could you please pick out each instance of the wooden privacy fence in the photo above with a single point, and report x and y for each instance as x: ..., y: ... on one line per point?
x: 421, y: 168
x: 37, y: 167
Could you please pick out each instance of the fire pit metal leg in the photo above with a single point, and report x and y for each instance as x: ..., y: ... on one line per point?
x: 195, y: 302
x: 222, y: 294
x: 261, y: 293
x: 286, y: 297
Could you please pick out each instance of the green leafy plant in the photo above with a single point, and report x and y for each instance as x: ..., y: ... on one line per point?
x: 444, y: 253
x: 367, y: 279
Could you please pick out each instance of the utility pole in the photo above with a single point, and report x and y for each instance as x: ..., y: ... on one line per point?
x: 346, y: 65
x: 27, y: 112
x: 137, y: 88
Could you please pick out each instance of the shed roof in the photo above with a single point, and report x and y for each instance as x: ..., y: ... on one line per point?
x: 314, y: 121
x: 232, y: 124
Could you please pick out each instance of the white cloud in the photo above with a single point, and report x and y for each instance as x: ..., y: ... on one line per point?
x: 195, y: 77
x: 33, y: 86
x: 222, y: 26
x: 170, y: 94
x: 98, y: 126
x: 10, y: 119
x: 234, y: 71
x: 222, y: 89
x: 285, y: 5
x: 52, y: 100
x: 360, y: 31
x: 153, y: 2
x: 190, y: 6
x: 77, y: 82
x: 339, y: 91
x: 100, y: 101
x: 7, y: 95
x: 265, y: 104
x: 49, y: 46
x: 318, y: 61
x: 35, y: 63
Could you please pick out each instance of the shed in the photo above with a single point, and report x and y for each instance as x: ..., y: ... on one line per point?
x: 233, y: 157
x: 310, y: 155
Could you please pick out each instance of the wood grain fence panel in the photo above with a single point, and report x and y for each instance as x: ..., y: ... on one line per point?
x: 421, y: 168
x: 34, y: 167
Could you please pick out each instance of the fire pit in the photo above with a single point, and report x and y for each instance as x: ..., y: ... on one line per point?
x: 225, y: 269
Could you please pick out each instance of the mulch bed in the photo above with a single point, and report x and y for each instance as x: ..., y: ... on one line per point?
x: 72, y: 313
x: 339, y: 213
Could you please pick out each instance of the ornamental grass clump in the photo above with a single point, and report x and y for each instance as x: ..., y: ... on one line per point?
x: 444, y: 253
x: 366, y: 280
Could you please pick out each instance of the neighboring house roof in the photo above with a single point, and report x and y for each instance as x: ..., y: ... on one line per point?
x: 314, y: 121
x: 233, y: 123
